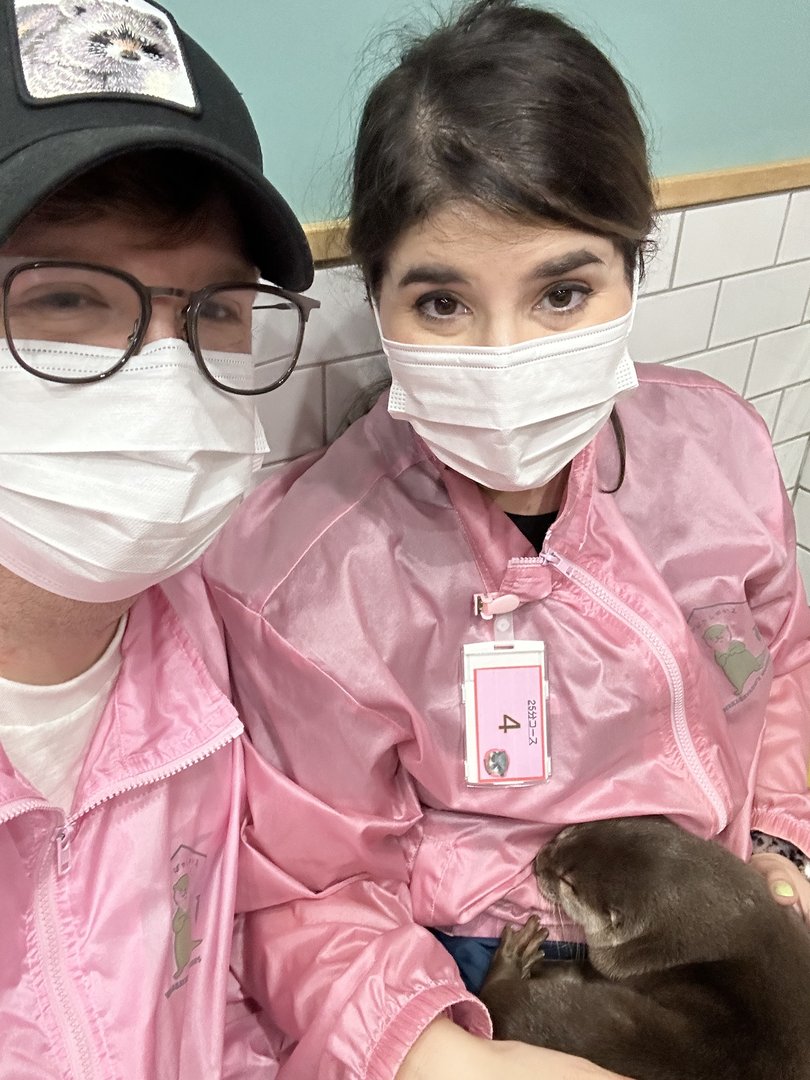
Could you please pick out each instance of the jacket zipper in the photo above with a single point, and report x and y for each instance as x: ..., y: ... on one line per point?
x: 668, y: 664
x: 75, y: 1037
x: 64, y: 834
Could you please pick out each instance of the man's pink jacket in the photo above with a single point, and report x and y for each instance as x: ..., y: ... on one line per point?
x: 117, y: 919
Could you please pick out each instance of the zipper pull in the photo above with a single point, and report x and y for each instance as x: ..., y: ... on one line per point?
x: 62, y: 839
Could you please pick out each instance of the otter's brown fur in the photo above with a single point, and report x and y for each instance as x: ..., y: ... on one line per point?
x: 694, y: 972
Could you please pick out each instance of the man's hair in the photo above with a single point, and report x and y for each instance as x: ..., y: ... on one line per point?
x: 171, y: 194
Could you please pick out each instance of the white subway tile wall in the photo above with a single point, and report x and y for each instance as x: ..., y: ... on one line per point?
x: 729, y: 238
x: 728, y: 293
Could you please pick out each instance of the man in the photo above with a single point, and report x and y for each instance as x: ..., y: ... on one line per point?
x: 134, y: 225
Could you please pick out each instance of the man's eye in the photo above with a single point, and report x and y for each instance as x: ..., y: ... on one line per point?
x: 61, y: 301
x: 213, y: 312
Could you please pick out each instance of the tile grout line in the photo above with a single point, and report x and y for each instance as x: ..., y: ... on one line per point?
x: 714, y: 312
x: 783, y: 231
x: 792, y: 439
x: 734, y: 276
x: 776, y: 389
x: 750, y: 367
x: 677, y: 253
x: 735, y: 341
x: 798, y: 485
x: 777, y: 414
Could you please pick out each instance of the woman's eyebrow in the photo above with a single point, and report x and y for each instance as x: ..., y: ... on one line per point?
x: 564, y: 264
x: 437, y: 274
x: 432, y: 275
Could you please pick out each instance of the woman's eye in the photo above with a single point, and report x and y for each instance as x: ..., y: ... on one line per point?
x: 440, y: 307
x: 565, y: 298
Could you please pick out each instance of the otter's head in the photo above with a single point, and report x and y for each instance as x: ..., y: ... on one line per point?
x: 647, y: 894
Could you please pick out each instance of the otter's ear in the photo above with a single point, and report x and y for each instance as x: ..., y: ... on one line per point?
x: 616, y: 918
x: 71, y: 8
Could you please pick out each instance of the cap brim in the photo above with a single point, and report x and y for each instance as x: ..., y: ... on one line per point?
x: 277, y: 240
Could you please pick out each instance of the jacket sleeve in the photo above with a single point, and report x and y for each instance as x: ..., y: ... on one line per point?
x: 781, y: 805
x: 331, y: 950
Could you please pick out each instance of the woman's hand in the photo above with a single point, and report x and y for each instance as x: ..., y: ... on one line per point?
x: 788, y: 885
x: 444, y: 1049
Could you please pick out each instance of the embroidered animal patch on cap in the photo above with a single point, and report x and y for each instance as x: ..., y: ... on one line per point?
x: 108, y: 48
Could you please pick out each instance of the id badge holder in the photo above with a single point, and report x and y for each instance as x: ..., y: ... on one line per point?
x: 504, y: 692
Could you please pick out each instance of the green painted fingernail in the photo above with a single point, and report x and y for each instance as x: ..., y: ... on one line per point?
x: 783, y: 888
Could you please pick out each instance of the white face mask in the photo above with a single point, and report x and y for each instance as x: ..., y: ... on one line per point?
x: 512, y: 418
x: 109, y: 487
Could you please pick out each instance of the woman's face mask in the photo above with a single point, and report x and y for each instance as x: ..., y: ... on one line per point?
x: 507, y: 342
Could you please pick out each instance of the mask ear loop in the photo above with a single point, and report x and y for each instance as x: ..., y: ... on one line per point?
x: 634, y: 301
x: 376, y: 310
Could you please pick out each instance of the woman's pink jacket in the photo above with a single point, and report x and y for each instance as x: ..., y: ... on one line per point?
x: 346, y: 591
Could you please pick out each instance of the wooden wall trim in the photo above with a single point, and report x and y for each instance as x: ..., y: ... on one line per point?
x: 328, y: 238
x: 697, y: 189
x: 328, y: 241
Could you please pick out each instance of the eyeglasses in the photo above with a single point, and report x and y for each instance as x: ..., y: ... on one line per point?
x: 107, y: 309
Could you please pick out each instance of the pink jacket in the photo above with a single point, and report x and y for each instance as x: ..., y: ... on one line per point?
x: 346, y: 594
x: 117, y: 922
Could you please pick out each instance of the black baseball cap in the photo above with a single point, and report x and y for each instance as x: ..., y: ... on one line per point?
x: 86, y: 81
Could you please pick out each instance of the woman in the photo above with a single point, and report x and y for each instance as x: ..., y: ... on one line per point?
x: 521, y: 487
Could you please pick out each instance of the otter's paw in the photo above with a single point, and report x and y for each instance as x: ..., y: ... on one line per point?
x: 520, y: 947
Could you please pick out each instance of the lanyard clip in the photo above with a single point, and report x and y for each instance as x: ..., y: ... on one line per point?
x: 488, y: 605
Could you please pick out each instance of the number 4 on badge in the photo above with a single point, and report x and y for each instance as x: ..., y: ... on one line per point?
x: 508, y: 724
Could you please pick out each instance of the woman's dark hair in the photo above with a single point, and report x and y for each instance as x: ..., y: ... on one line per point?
x: 510, y: 108
x: 170, y: 194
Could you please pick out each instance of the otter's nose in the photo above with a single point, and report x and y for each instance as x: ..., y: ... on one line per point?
x: 130, y: 54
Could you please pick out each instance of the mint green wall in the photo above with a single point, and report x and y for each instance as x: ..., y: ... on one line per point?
x: 724, y: 82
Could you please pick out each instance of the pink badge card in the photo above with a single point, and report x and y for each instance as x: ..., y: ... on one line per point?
x: 504, y: 694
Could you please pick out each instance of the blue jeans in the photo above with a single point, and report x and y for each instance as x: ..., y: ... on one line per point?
x: 473, y: 955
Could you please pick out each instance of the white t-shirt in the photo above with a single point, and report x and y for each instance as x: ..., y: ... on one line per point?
x: 45, y: 730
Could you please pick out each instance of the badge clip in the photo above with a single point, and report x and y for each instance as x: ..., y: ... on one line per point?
x: 488, y: 605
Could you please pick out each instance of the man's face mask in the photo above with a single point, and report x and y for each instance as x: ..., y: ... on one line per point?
x: 110, y: 487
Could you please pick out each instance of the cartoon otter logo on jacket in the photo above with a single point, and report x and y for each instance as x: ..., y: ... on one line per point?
x: 183, y: 926
x: 186, y: 869
x: 739, y: 652
x: 83, y: 47
x: 737, y: 662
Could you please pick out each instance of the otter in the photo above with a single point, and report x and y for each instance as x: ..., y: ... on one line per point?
x: 693, y: 973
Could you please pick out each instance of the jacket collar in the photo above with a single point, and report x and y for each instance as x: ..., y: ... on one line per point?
x: 165, y: 712
x: 495, y: 541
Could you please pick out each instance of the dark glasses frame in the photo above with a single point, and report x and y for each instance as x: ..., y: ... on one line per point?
x: 196, y: 299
